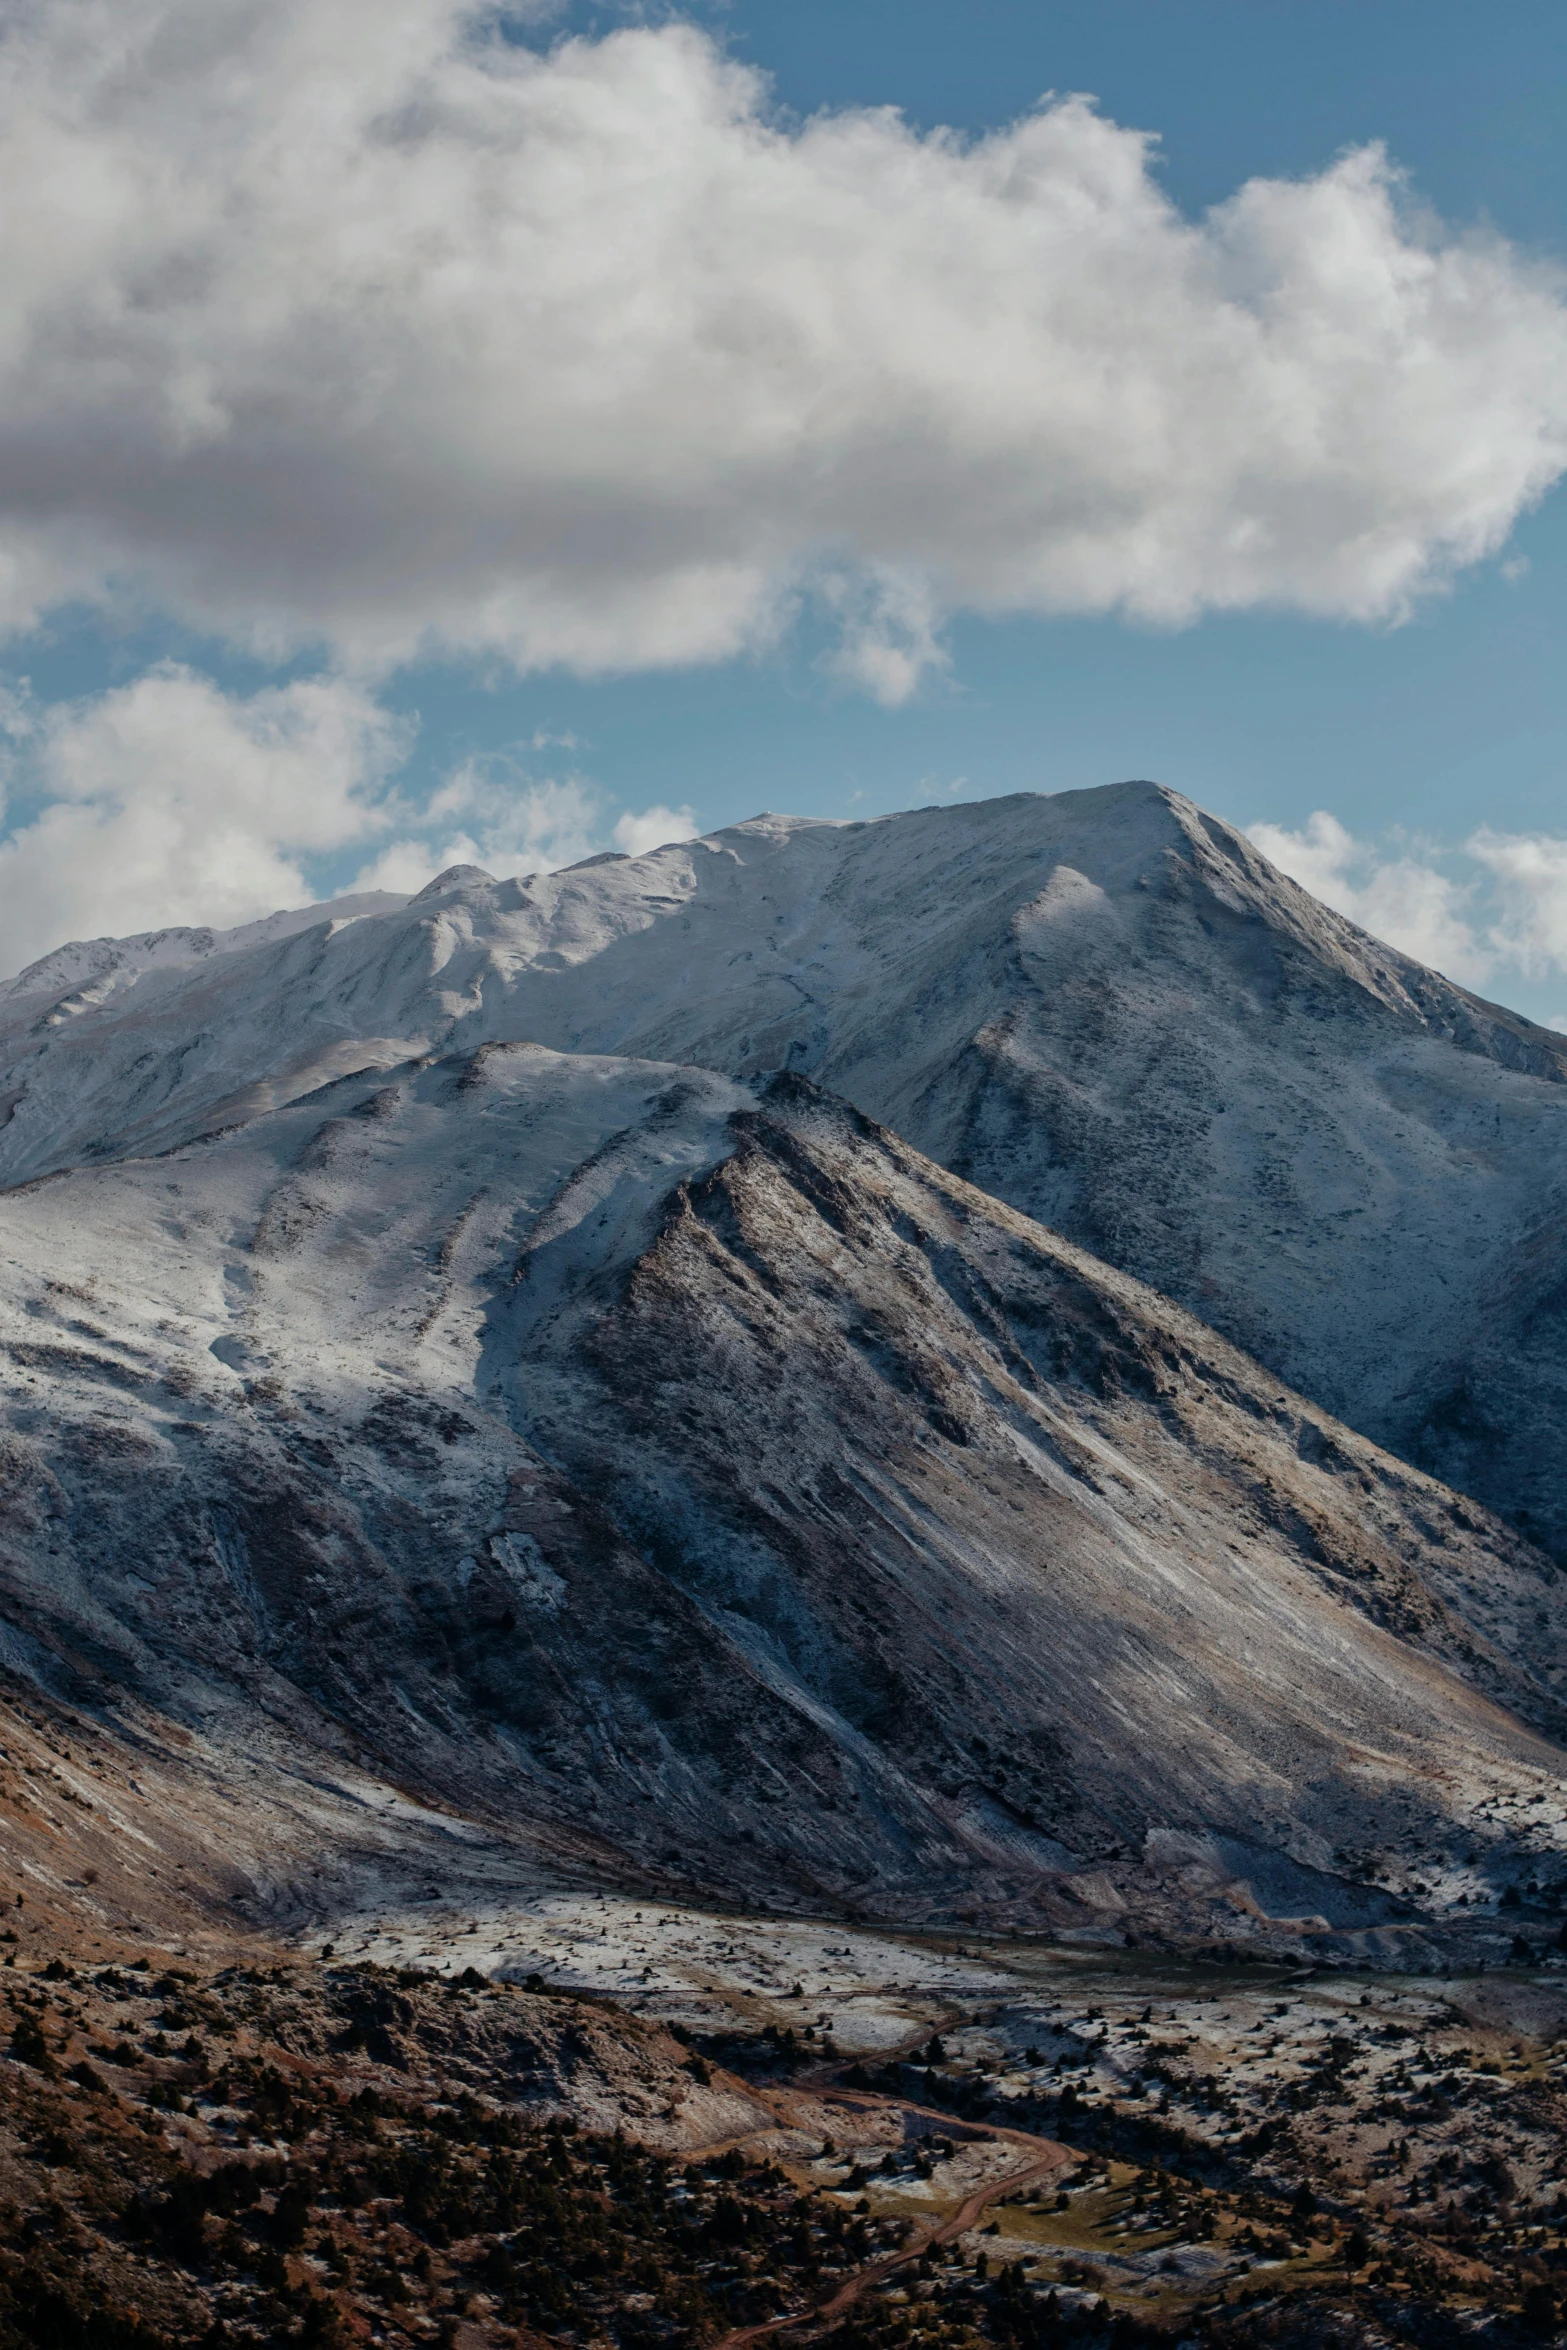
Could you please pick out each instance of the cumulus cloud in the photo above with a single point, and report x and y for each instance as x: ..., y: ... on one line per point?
x: 653, y: 828
x: 1502, y: 916
x: 492, y: 812
x: 1404, y: 897
x: 169, y: 801
x: 1530, y: 870
x: 888, y: 623
x: 360, y: 325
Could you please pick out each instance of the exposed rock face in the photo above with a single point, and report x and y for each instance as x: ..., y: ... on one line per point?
x: 1104, y: 1008
x: 681, y: 1474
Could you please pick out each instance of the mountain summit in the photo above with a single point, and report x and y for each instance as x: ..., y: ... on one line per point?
x: 711, y: 1370
x: 1104, y: 1008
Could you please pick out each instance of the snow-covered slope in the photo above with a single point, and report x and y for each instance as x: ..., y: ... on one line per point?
x: 1104, y: 1008
x: 84, y: 974
x: 685, y: 1469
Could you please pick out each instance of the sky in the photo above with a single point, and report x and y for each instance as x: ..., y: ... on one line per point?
x: 429, y: 438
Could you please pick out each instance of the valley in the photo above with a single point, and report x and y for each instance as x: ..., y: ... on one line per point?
x: 1001, y: 2145
x: 809, y: 1586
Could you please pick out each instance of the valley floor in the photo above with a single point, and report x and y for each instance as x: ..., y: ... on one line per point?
x: 598, y: 2121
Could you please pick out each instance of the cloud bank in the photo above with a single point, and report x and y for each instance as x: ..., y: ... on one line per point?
x: 1501, y: 916
x: 367, y: 331
x: 168, y: 801
x: 360, y: 327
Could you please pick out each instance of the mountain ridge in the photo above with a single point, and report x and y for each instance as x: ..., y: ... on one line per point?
x: 679, y: 1478
x: 1104, y: 1008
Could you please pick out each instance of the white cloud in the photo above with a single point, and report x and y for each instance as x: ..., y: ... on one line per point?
x: 653, y: 828
x: 888, y: 641
x: 1506, y: 918
x: 1403, y: 898
x: 168, y: 801
x: 349, y: 323
x: 491, y: 813
x: 1530, y: 870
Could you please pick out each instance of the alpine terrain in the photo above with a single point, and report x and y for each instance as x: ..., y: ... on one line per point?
x: 1000, y: 1365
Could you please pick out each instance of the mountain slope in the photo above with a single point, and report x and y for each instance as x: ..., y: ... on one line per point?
x: 683, y: 1475
x: 1104, y: 1008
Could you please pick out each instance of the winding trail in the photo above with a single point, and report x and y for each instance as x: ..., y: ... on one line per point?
x: 1047, y: 2157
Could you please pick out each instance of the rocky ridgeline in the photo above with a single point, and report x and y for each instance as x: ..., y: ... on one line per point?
x: 1103, y: 1007
x: 685, y: 1478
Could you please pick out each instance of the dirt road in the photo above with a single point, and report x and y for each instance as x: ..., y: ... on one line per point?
x: 1046, y: 2159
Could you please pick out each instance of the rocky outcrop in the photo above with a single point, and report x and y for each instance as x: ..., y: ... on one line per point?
x: 625, y: 1467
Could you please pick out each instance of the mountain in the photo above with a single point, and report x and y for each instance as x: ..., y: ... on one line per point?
x: 1103, y: 1008
x: 520, y: 1458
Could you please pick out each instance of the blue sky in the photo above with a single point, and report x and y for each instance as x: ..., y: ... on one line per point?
x: 1411, y: 733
